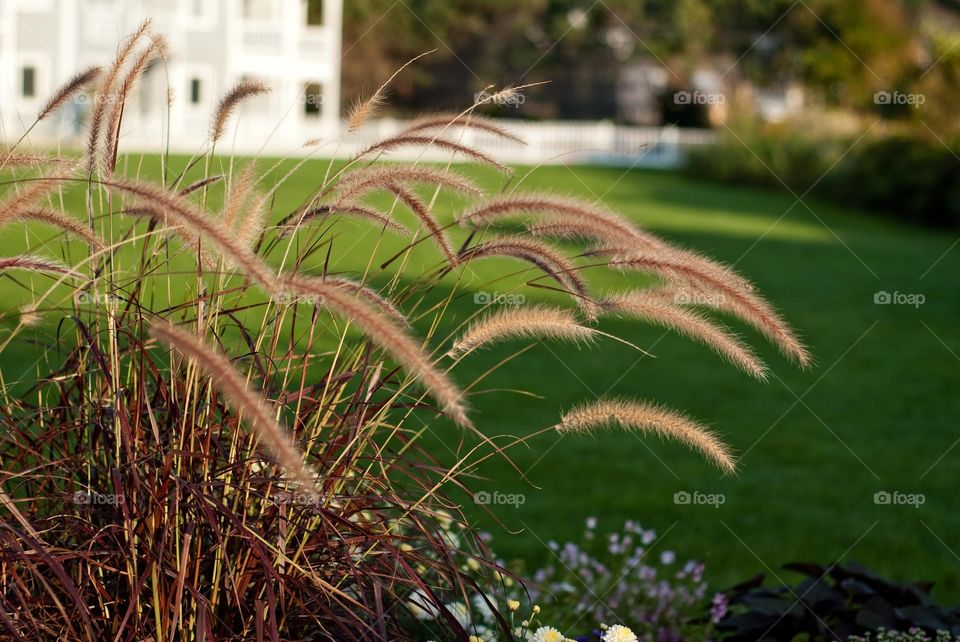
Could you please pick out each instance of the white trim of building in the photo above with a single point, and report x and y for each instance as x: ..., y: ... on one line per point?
x: 214, y: 44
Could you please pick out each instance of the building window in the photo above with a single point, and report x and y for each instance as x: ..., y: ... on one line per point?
x: 314, y: 13
x: 201, y: 15
x: 29, y: 84
x: 195, y: 93
x: 259, y: 9
x: 312, y: 99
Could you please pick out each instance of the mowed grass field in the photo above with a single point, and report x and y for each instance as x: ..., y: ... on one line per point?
x: 878, y: 413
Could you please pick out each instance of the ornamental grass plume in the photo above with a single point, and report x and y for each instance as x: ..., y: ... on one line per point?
x: 22, y: 159
x: 423, y: 214
x: 528, y: 322
x: 588, y: 220
x: 323, y: 212
x: 31, y: 263
x: 275, y: 438
x: 546, y: 258
x: 646, y: 417
x: 472, y: 121
x: 106, y: 94
x: 654, y: 308
x: 413, y: 140
x: 230, y: 101
x: 364, y: 109
x: 733, y: 298
x: 156, y: 49
x: 30, y: 191
x: 161, y: 204
x: 68, y: 90
x: 357, y: 182
x: 388, y: 334
x: 56, y: 219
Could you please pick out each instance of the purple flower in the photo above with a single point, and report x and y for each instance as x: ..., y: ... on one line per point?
x: 718, y: 607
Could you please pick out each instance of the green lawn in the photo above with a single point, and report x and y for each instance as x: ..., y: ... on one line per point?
x: 879, y: 411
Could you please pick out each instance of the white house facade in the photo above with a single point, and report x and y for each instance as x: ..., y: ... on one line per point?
x: 292, y: 46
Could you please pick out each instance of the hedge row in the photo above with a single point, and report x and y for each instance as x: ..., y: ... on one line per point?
x: 912, y: 177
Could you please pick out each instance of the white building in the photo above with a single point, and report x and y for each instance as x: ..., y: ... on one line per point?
x: 293, y: 46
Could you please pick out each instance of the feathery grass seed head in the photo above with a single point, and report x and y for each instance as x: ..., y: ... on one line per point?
x: 646, y: 417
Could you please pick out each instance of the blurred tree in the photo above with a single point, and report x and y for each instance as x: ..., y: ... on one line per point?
x: 842, y: 50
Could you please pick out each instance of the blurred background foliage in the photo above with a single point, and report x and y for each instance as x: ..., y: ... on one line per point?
x: 828, y: 68
x: 842, y: 51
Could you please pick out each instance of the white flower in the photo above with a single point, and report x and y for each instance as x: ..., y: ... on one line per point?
x: 421, y: 606
x: 483, y: 634
x: 618, y: 633
x: 668, y: 557
x: 460, y: 613
x: 548, y: 634
x: 481, y: 608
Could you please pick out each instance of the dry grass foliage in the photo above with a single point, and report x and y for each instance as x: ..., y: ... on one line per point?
x: 132, y: 505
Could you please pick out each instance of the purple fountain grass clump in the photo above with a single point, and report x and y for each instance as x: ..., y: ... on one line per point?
x: 134, y: 505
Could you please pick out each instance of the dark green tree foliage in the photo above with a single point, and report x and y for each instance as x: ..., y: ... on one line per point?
x: 843, y: 50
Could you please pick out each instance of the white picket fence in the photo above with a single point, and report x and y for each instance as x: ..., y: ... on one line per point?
x: 549, y: 143
x: 554, y: 143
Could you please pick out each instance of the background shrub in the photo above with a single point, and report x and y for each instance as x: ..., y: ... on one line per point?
x: 909, y: 175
